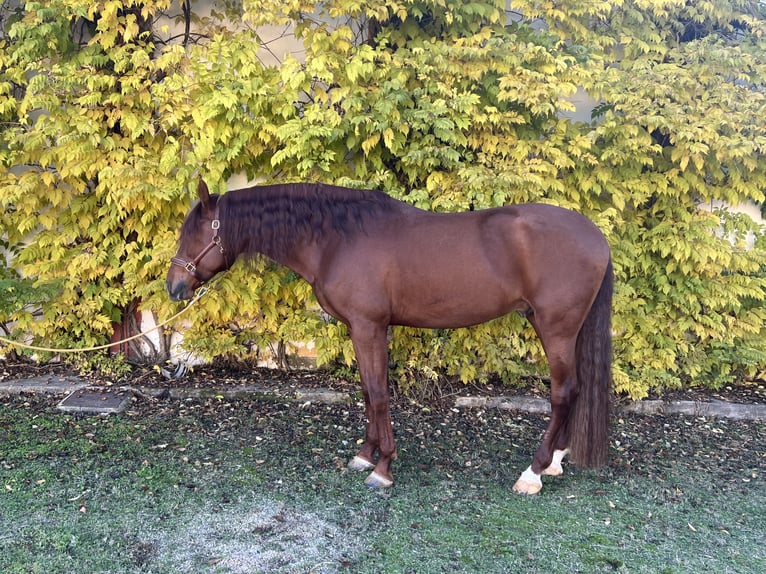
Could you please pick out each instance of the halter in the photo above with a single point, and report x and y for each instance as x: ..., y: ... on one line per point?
x: 191, y: 266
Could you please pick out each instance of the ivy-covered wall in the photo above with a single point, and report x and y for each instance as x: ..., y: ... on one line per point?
x: 108, y: 117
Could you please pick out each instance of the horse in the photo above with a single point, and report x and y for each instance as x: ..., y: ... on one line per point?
x: 374, y: 261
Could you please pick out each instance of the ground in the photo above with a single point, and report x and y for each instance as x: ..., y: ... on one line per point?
x: 211, y: 485
x: 219, y: 376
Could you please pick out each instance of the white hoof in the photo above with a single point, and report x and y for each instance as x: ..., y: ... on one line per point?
x: 555, y: 469
x: 377, y: 481
x: 360, y: 464
x: 528, y: 483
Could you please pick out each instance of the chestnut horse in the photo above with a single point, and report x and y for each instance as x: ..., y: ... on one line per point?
x: 374, y: 261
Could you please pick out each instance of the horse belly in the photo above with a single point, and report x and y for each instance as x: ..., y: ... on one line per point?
x: 450, y: 288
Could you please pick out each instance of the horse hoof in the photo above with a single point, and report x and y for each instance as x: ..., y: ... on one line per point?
x: 525, y: 487
x: 554, y: 470
x: 377, y: 481
x: 360, y: 464
x: 529, y: 483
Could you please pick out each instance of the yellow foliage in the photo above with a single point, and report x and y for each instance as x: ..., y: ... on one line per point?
x: 443, y: 104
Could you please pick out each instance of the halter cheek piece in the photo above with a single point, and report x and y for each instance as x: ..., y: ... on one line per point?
x: 191, y: 266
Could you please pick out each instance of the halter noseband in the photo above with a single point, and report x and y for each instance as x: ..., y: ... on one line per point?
x: 191, y: 266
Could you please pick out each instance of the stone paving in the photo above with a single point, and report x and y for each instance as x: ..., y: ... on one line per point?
x: 84, y: 398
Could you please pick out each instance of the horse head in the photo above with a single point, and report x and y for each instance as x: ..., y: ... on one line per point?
x: 201, y: 255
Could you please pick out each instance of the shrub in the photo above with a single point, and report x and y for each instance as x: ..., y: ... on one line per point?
x: 447, y: 105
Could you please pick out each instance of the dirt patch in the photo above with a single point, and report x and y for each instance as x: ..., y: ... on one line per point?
x: 270, y: 537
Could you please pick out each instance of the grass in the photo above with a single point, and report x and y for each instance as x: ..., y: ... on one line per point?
x: 246, y: 487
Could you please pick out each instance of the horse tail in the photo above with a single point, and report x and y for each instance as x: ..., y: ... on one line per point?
x: 590, y: 419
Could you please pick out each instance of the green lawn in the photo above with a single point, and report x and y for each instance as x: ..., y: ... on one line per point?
x: 249, y: 487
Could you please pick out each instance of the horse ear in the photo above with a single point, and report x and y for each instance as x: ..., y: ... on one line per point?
x: 204, y: 194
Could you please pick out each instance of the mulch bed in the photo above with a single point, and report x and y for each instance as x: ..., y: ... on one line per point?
x: 222, y: 376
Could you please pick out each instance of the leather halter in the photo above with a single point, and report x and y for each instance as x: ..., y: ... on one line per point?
x: 191, y: 266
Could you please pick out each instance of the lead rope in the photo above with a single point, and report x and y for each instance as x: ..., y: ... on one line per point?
x: 202, y: 291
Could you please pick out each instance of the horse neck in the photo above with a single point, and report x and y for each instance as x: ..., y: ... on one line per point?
x: 269, y: 226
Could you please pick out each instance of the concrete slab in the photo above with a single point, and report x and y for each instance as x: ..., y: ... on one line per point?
x: 712, y: 408
x: 95, y: 402
x: 52, y: 384
x: 514, y: 403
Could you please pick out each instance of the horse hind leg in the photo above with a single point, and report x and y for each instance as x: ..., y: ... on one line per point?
x: 553, y: 449
x: 531, y: 482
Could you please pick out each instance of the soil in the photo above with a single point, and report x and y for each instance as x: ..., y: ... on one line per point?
x: 222, y: 375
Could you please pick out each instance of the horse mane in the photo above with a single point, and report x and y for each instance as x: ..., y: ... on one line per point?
x: 270, y: 219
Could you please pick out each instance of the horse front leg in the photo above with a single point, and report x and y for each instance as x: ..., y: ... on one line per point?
x: 370, y: 345
x: 363, y: 460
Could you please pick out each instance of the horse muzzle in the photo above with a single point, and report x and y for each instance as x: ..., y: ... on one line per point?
x: 179, y: 290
